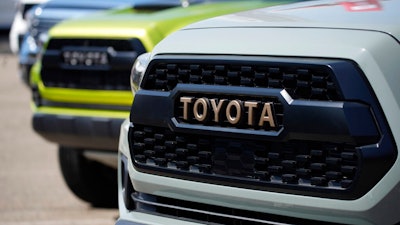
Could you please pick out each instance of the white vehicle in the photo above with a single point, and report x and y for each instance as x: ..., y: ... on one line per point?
x: 281, y: 115
x: 7, y: 12
x: 20, y: 24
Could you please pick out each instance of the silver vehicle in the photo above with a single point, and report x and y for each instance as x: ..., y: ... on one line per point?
x: 281, y: 115
x: 8, y: 9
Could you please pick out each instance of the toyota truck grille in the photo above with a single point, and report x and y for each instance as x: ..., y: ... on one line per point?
x: 323, y: 132
x: 89, y: 63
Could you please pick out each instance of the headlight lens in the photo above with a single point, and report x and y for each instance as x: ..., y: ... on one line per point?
x: 138, y: 70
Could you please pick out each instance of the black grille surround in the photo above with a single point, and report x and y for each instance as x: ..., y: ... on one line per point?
x: 331, y: 141
x: 111, y: 74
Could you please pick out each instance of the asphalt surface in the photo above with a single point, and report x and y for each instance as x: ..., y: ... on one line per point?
x: 32, y: 190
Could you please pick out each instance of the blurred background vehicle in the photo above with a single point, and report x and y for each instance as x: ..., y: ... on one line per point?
x: 42, y: 17
x: 81, y: 87
x: 7, y: 12
x: 33, y: 191
x: 20, y: 24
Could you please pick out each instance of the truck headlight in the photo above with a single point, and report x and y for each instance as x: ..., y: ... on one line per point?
x: 138, y: 70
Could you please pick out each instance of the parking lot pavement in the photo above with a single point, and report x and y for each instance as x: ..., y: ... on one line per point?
x: 32, y: 190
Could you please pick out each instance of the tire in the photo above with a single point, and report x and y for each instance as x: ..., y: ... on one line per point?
x: 88, y: 180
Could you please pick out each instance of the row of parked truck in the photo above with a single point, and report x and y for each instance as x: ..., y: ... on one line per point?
x: 80, y: 84
x: 221, y: 111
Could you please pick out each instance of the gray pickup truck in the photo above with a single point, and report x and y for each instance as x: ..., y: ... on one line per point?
x: 293, y: 119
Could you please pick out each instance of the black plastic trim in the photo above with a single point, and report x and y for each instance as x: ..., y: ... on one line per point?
x: 126, y: 184
x: 48, y: 103
x: 75, y: 131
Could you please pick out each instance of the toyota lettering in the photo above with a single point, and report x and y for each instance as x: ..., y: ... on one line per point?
x: 259, y: 114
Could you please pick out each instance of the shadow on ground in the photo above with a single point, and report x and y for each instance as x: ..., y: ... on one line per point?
x: 4, y: 46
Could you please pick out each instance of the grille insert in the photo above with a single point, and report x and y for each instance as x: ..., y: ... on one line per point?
x: 306, y: 164
x: 86, y: 79
x: 301, y: 81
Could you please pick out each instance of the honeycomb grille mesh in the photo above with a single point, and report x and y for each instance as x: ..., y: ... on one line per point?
x: 308, y: 164
x: 86, y: 79
x: 300, y: 81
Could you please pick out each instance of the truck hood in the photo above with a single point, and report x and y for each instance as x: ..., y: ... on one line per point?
x: 124, y: 22
x: 374, y: 15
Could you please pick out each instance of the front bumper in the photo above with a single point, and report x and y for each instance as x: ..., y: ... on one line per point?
x: 376, y: 207
x: 128, y: 216
x: 78, y: 131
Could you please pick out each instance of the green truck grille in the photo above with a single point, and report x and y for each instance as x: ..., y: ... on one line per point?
x: 93, y: 64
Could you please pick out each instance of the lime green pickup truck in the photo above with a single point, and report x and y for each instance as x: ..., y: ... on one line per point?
x: 81, y: 87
